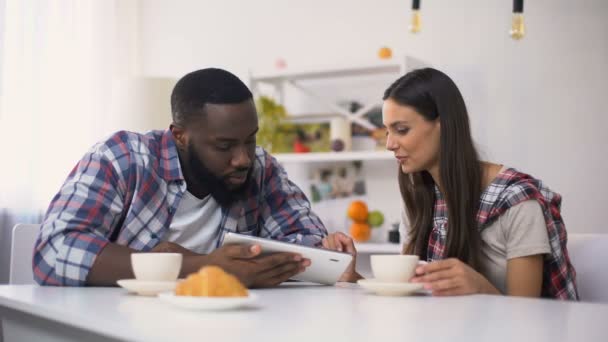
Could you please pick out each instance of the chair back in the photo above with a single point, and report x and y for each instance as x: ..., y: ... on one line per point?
x: 588, y: 254
x: 22, y: 247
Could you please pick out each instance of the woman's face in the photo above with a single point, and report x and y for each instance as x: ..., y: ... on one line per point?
x: 413, y: 139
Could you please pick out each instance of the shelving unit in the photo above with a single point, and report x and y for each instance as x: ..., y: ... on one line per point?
x: 309, y: 74
x: 280, y: 79
x: 333, y: 156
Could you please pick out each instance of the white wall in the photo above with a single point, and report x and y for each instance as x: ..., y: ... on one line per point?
x: 535, y: 104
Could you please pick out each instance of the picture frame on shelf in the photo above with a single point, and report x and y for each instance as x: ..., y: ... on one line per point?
x: 342, y: 180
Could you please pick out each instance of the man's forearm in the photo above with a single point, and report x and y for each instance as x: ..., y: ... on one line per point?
x: 114, y: 263
x: 193, y: 263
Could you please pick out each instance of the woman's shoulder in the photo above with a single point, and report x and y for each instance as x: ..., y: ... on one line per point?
x: 500, y: 178
x: 511, y: 187
x: 490, y: 171
x: 513, y: 182
x: 524, y: 209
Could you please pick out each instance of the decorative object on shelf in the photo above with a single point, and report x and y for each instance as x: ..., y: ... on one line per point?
x: 340, y: 129
x: 277, y: 135
x: 393, y: 234
x: 363, y: 220
x: 301, y: 138
x: 356, y: 129
x: 364, y: 138
x: 385, y: 53
x: 337, y: 145
x: 299, y: 145
x: 280, y: 63
x: 518, y: 28
x: 375, y: 218
x: 416, y: 21
x: 270, y: 116
x: 374, y: 115
x: 379, y: 135
x: 357, y: 211
x: 338, y: 181
x: 360, y: 231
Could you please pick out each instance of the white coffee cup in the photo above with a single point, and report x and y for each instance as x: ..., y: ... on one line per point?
x: 394, y: 267
x: 156, y: 266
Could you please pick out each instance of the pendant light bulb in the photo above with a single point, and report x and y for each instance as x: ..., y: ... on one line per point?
x: 415, y: 24
x: 518, y: 27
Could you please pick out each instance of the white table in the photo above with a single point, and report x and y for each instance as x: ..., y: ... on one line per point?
x: 295, y: 313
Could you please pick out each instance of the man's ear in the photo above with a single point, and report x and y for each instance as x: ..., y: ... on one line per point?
x: 180, y: 136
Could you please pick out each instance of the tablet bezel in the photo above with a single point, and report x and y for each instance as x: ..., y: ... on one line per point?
x: 326, y: 265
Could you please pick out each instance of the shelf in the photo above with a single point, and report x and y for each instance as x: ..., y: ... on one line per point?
x: 333, y: 156
x: 380, y: 248
x: 369, y: 69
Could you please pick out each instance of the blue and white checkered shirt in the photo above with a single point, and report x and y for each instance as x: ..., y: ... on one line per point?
x: 126, y: 189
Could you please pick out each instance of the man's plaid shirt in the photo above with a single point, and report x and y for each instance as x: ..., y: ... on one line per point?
x: 508, y: 189
x: 126, y: 189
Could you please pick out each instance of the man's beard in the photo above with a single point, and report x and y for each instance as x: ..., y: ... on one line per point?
x: 217, y: 187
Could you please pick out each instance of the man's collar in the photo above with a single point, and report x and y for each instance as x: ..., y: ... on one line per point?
x: 170, y: 168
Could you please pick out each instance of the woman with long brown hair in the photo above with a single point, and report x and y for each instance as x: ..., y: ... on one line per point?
x: 482, y: 227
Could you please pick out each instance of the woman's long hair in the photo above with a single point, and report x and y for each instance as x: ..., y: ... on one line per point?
x: 435, y: 96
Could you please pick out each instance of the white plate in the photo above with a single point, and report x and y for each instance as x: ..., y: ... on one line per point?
x: 208, y: 303
x: 389, y: 289
x: 146, y: 288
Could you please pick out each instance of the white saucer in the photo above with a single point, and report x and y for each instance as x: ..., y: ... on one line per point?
x: 389, y: 289
x: 146, y: 288
x: 207, y: 303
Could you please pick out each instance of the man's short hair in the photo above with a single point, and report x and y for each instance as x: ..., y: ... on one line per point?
x: 198, y: 88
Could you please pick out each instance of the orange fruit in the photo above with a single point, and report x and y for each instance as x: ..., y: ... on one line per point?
x: 385, y: 53
x: 360, y: 232
x: 357, y: 211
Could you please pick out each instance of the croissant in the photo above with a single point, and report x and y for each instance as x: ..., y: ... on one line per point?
x: 211, y: 281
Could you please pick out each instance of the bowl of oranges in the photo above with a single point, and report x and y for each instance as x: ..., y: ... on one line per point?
x: 363, y: 220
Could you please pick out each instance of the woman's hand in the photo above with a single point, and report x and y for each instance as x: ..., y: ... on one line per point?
x: 451, y: 277
x: 343, y: 243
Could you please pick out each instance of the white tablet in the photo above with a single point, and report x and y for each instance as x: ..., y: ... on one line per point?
x: 326, y: 266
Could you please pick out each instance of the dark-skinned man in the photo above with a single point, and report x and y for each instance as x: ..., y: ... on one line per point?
x: 180, y: 190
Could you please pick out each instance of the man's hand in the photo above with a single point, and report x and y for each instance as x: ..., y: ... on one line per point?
x: 452, y: 277
x: 255, y: 270
x: 343, y: 243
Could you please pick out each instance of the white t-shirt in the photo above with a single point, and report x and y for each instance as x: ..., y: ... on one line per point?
x: 520, y: 231
x: 195, y: 224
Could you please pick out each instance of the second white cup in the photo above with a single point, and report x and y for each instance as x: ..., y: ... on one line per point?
x: 395, y: 268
